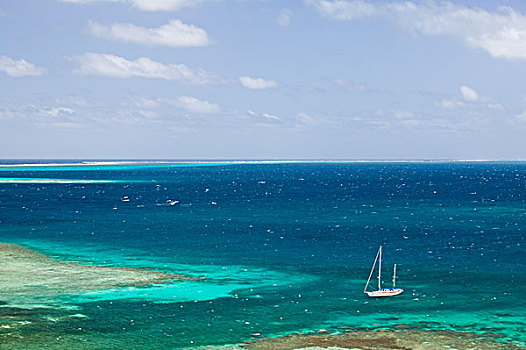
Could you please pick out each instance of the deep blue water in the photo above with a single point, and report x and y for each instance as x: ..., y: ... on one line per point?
x: 295, y: 243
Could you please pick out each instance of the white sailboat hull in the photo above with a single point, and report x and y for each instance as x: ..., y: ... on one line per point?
x: 387, y: 292
x: 382, y: 292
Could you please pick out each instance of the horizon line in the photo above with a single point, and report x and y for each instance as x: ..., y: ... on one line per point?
x: 36, y: 162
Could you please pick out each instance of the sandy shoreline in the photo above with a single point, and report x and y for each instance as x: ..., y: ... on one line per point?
x: 53, y: 181
x: 30, y: 278
x: 80, y: 164
x: 33, y: 311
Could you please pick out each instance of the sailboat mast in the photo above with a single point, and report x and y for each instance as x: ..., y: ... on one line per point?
x: 372, y: 269
x: 394, y: 276
x: 380, y: 269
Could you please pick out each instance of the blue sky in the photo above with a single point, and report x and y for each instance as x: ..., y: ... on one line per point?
x: 333, y: 79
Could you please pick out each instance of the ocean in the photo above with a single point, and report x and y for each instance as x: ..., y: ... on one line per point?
x: 272, y: 248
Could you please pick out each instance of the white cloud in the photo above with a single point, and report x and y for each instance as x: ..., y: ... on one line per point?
x: 347, y: 84
x: 88, y: 1
x: 451, y: 104
x: 19, y: 68
x: 495, y: 105
x: 263, y: 117
x: 469, y: 94
x: 188, y: 103
x: 344, y: 10
x: 284, y: 17
x: 119, y: 67
x: 270, y: 116
x: 521, y: 116
x: 146, y: 103
x: 147, y: 114
x: 175, y: 34
x: 194, y: 105
x: 257, y: 83
x: 147, y: 5
x: 163, y: 5
x: 469, y: 98
x: 306, y: 118
x: 56, y: 111
x: 501, y: 34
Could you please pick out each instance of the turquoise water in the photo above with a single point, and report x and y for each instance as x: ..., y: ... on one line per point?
x: 280, y: 248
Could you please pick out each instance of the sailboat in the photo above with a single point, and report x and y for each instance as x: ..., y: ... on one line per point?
x: 381, y: 292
